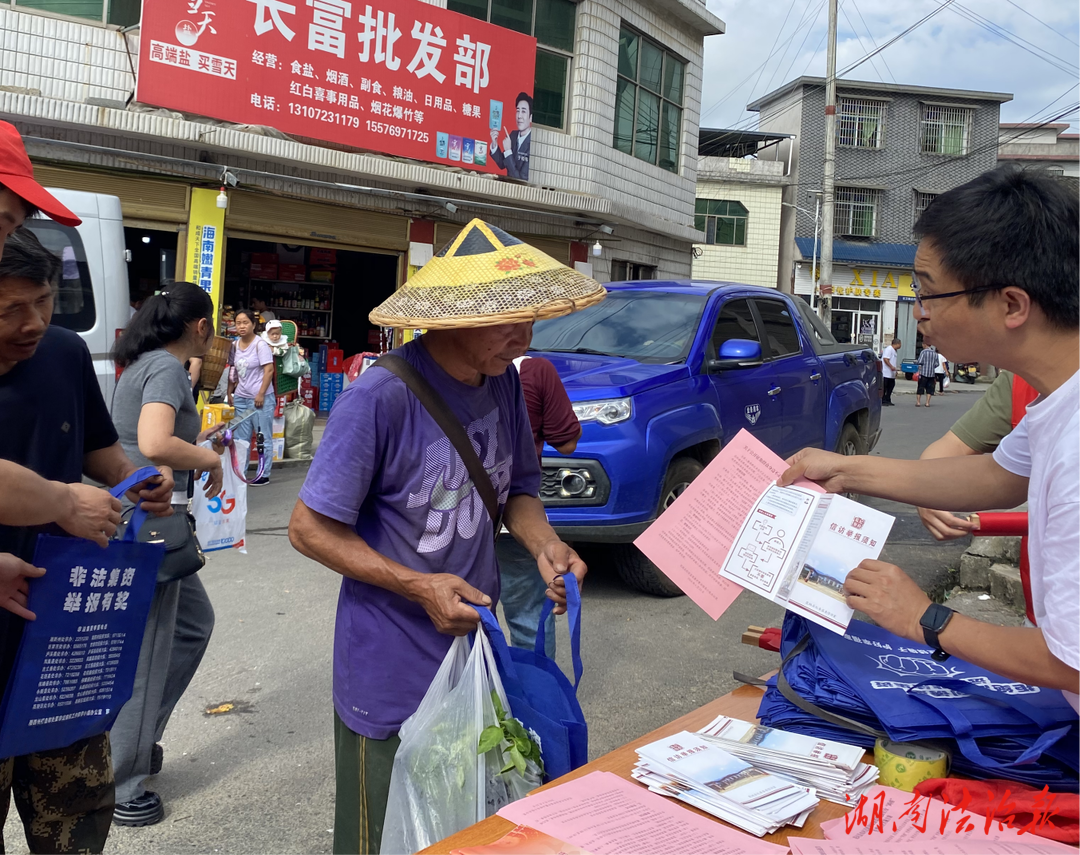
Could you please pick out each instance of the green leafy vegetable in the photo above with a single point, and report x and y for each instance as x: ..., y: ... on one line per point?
x: 511, y: 739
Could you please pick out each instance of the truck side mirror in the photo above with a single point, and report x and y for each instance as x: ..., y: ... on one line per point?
x: 736, y: 353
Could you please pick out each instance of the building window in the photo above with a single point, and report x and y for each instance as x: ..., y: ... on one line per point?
x: 552, y: 22
x: 922, y: 202
x: 856, y: 212
x: 945, y: 130
x: 724, y: 223
x: 859, y: 123
x: 648, y: 100
x: 122, y: 12
x: 622, y: 271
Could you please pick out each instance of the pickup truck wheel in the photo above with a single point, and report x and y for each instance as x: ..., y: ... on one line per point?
x: 633, y: 567
x: 851, y: 441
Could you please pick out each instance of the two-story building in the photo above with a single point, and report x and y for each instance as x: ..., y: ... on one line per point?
x: 338, y: 185
x: 1044, y: 146
x: 740, y: 186
x: 897, y: 147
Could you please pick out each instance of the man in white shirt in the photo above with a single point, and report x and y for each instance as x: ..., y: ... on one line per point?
x: 888, y: 372
x: 1009, y: 239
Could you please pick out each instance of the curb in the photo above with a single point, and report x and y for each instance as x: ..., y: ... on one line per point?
x: 991, y: 564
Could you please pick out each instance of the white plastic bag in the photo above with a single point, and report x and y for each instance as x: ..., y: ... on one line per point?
x: 440, y: 784
x: 220, y: 521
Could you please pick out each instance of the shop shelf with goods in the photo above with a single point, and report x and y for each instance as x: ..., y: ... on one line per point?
x: 309, y: 303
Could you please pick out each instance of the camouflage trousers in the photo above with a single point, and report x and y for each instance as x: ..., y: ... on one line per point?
x: 65, y: 797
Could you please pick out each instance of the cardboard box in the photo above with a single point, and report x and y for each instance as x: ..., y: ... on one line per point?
x: 335, y: 361
x: 318, y: 255
x: 321, y: 276
x: 292, y: 272
x: 279, y: 449
x: 332, y: 383
x: 264, y: 271
x: 279, y: 428
x: 264, y: 258
x: 311, y: 398
x: 213, y: 414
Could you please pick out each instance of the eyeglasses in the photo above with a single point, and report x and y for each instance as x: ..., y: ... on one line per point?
x: 916, y: 286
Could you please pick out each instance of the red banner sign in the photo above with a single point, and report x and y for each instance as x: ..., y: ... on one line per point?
x: 395, y: 76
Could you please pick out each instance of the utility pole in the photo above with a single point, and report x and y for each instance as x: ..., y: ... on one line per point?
x: 828, y: 182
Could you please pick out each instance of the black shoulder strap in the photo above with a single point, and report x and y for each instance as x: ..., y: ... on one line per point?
x: 806, y: 706
x: 437, y: 408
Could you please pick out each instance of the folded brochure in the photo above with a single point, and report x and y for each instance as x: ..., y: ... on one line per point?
x: 734, y: 529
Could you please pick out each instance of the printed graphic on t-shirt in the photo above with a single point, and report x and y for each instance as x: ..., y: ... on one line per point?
x: 452, y: 501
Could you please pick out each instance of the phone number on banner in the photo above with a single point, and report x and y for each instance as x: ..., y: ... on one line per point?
x: 324, y: 115
x: 397, y: 131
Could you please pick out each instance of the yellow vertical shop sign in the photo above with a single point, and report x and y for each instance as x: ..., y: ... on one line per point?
x: 206, y: 245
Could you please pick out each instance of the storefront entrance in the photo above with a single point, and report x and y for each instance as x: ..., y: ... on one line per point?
x: 857, y: 322
x: 153, y: 260
x: 327, y: 292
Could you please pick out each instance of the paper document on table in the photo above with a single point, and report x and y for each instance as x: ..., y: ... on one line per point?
x: 522, y: 840
x: 809, y: 846
x: 891, y: 817
x: 796, y: 547
x: 607, y: 815
x: 690, y: 541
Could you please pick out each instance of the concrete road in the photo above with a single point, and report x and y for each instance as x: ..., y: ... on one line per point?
x: 260, y: 778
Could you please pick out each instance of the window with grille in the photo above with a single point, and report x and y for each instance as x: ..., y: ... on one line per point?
x: 945, y: 130
x: 860, y: 123
x: 922, y: 202
x: 723, y: 222
x: 123, y: 12
x: 855, y: 212
x: 648, y: 100
x: 552, y: 22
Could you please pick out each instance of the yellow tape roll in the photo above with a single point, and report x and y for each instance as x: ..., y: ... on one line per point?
x: 906, y: 764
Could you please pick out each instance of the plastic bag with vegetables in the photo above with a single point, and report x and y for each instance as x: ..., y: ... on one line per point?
x: 462, y: 755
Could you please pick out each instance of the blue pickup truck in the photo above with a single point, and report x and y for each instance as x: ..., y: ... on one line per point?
x: 662, y: 374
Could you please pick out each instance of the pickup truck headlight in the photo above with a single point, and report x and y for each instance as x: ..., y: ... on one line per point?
x: 606, y: 412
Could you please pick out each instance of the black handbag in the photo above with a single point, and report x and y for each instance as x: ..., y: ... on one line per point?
x: 183, y: 554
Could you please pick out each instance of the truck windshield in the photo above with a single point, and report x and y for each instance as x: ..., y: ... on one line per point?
x: 649, y: 326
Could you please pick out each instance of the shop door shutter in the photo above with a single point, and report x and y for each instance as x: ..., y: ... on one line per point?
x: 302, y: 220
x: 557, y: 249
x: 140, y: 198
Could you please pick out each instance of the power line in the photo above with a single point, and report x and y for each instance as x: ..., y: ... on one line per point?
x: 847, y: 18
x: 997, y: 30
x: 772, y: 50
x: 895, y: 38
x: 871, y: 36
x: 1041, y: 21
x: 805, y: 20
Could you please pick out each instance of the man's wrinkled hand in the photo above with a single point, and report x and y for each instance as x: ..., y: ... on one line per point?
x: 885, y: 593
x: 945, y: 526
x: 555, y: 559
x: 822, y: 467
x: 14, y: 584
x: 90, y: 512
x: 155, y: 493
x: 446, y: 598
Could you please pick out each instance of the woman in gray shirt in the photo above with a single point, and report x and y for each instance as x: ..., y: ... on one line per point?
x: 158, y: 424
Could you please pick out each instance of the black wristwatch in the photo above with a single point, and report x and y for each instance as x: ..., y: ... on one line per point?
x: 934, y: 620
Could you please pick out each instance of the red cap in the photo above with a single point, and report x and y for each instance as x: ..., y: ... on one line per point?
x: 17, y: 175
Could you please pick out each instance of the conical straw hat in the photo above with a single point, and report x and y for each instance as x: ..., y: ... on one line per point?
x: 485, y: 277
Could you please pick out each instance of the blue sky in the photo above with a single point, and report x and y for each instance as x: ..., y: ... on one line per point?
x: 949, y: 50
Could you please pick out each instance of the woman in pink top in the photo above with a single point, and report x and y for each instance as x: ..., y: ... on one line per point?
x: 251, y: 382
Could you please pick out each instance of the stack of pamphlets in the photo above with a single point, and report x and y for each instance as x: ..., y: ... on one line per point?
x: 834, y: 770
x: 696, y: 770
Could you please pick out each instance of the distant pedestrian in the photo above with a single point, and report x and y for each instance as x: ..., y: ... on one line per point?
x: 939, y: 374
x: 552, y: 418
x: 251, y: 381
x: 889, y: 361
x: 928, y: 365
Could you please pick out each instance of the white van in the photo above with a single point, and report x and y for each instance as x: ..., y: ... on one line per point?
x: 93, y: 296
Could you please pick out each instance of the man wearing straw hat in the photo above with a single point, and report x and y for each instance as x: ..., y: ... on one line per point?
x: 388, y: 502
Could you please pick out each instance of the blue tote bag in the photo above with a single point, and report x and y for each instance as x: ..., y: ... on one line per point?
x: 871, y: 682
x: 76, y: 663
x: 540, y: 695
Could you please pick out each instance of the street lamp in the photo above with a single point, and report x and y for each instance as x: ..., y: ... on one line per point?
x: 817, y: 231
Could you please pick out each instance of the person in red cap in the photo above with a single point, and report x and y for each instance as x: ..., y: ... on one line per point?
x: 21, y: 197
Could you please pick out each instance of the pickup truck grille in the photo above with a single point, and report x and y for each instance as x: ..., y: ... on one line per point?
x: 573, y: 481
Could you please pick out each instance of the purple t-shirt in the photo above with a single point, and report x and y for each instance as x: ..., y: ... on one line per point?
x: 387, y: 468
x: 248, y: 363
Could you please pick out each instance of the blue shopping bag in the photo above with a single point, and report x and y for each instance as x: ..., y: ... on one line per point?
x: 540, y: 695
x: 76, y: 663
